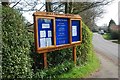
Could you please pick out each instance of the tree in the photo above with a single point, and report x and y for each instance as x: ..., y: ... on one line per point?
x: 48, y: 6
x: 83, y: 8
x: 111, y: 23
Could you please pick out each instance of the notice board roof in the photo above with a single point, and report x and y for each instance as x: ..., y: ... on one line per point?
x: 52, y: 14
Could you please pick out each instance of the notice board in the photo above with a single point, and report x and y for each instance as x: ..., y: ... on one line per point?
x: 56, y: 31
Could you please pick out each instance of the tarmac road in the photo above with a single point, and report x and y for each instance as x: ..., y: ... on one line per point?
x: 107, y: 52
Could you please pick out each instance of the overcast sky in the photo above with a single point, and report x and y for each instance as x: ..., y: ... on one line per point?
x: 111, y: 13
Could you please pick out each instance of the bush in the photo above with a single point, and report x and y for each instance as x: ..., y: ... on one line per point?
x: 86, y: 48
x: 107, y: 36
x: 114, y: 34
x: 54, y: 71
x: 16, y: 62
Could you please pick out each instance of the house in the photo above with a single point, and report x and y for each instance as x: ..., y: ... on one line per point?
x: 115, y: 28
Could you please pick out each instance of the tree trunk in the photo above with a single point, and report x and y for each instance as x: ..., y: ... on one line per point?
x: 70, y: 7
x: 48, y: 7
x: 66, y: 7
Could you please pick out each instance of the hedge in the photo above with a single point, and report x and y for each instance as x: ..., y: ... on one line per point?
x: 16, y: 60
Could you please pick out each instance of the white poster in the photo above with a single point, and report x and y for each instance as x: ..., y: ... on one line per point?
x: 48, y: 42
x: 42, y: 33
x: 42, y: 43
x: 74, y: 30
x: 49, y: 34
x: 45, y: 26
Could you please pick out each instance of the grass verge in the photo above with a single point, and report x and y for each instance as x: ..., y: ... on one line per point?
x: 107, y: 36
x: 85, y: 70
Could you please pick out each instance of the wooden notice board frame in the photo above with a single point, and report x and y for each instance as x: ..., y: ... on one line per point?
x: 79, y: 19
x: 53, y: 16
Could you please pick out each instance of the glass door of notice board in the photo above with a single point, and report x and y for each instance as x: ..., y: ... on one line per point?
x: 75, y: 24
x: 45, y: 32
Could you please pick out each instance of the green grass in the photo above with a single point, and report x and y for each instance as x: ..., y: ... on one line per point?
x: 83, y: 71
x: 107, y: 36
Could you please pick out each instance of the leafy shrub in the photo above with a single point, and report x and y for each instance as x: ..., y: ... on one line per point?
x: 86, y: 48
x: 107, y: 36
x: 59, y: 57
x: 54, y: 71
x: 114, y: 34
x: 16, y: 62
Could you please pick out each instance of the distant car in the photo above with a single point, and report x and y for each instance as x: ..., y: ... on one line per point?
x: 101, y: 32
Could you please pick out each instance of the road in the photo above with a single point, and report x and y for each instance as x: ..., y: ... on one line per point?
x: 107, y: 52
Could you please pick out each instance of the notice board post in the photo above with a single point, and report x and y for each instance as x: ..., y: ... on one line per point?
x: 74, y: 54
x: 54, y: 31
x: 45, y: 60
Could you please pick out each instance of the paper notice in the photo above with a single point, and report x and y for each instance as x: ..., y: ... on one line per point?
x: 74, y: 30
x: 42, y: 34
x: 48, y: 42
x: 49, y: 34
x: 45, y: 26
x: 42, y: 43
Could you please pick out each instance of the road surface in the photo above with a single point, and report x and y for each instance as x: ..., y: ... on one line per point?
x: 107, y: 52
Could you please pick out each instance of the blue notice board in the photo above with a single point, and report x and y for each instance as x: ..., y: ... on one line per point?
x: 62, y: 31
x: 75, y: 30
x: 45, y: 32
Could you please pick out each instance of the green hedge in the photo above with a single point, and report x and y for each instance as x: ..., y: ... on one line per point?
x: 115, y: 34
x: 86, y: 48
x: 16, y: 61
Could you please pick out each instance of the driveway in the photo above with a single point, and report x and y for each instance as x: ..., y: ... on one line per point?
x: 107, y: 52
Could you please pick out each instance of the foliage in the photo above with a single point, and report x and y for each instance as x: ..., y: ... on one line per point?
x: 107, y: 36
x: 86, y: 47
x: 16, y: 48
x: 54, y: 71
x: 60, y: 56
x: 16, y: 61
x: 111, y: 23
x: 60, y: 60
x: 85, y: 70
x: 114, y: 34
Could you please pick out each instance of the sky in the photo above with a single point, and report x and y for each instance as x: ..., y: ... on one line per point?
x: 111, y: 12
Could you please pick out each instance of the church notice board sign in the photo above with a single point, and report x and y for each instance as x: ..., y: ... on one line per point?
x: 56, y: 31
